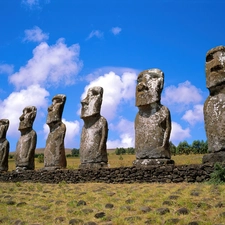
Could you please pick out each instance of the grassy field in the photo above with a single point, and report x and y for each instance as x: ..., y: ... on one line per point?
x: 118, y: 161
x: 117, y: 204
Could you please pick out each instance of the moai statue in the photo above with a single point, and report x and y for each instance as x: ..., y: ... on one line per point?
x: 25, y: 149
x: 93, y: 151
x: 214, y: 107
x: 153, y: 122
x: 54, y: 153
x: 4, y: 145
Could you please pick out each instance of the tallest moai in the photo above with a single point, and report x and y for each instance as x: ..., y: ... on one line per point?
x: 214, y: 107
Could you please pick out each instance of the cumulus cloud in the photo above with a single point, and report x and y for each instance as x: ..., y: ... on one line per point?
x: 95, y: 33
x: 30, y: 3
x: 11, y: 108
x: 195, y: 115
x: 103, y: 70
x: 116, y: 89
x: 50, y: 65
x: 72, y: 130
x: 34, y: 3
x: 184, y: 94
x: 6, y: 69
x: 126, y: 130
x: 35, y: 35
x: 179, y: 134
x: 116, y: 30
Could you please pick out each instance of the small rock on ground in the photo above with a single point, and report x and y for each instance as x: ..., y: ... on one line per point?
x: 75, y: 221
x: 99, y: 215
x: 162, y: 211
x: 182, y: 211
x: 109, y: 206
x: 81, y: 202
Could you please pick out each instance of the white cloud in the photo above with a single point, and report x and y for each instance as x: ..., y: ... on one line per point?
x: 126, y: 130
x: 179, y: 134
x: 184, y: 94
x: 30, y: 3
x: 35, y: 35
x: 116, y: 90
x: 50, y: 65
x: 103, y: 70
x: 6, y: 69
x: 11, y: 108
x: 34, y: 3
x: 95, y: 33
x: 195, y: 115
x: 72, y: 130
x: 116, y: 30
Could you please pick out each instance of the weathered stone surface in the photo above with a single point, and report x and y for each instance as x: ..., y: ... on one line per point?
x: 147, y: 162
x: 151, y: 174
x: 214, y: 157
x: 4, y: 145
x: 214, y: 111
x: 54, y: 153
x: 25, y: 149
x: 93, y: 151
x: 153, y: 122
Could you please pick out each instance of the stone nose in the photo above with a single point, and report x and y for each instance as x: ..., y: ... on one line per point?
x: 21, y: 117
x: 84, y: 102
x: 141, y: 87
x: 50, y: 108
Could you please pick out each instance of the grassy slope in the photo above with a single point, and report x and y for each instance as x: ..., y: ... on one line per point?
x: 131, y: 203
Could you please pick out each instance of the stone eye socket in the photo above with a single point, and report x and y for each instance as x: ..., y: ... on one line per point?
x: 209, y: 57
x: 139, y: 79
x: 94, y: 92
x: 216, y: 68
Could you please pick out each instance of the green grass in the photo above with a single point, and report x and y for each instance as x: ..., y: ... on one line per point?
x: 36, y: 203
x: 116, y: 161
x: 47, y: 203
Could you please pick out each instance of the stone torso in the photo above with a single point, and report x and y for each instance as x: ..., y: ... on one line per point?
x: 93, y: 142
x: 214, y: 115
x: 55, y: 150
x: 152, y: 134
x: 25, y: 149
x: 4, y: 153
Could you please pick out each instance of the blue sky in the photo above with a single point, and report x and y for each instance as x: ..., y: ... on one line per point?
x: 64, y: 47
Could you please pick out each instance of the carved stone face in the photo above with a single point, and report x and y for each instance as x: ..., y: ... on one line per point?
x: 27, y: 118
x: 149, y: 87
x: 56, y: 109
x: 215, y: 67
x: 91, y: 105
x: 4, y: 125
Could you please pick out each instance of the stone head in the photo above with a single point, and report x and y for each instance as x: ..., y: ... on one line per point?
x: 149, y: 87
x: 91, y: 105
x: 27, y: 118
x: 4, y: 125
x: 56, y: 109
x: 215, y: 67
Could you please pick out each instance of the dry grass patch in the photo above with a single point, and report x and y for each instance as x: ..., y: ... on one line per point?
x: 111, y: 203
x: 119, y: 161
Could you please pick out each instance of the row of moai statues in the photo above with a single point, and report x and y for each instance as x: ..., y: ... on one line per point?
x: 152, y: 124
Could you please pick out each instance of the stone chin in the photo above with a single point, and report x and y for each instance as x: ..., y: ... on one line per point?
x: 53, y: 119
x: 4, y: 125
x: 24, y: 125
x: 144, y: 99
x: 2, y: 132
